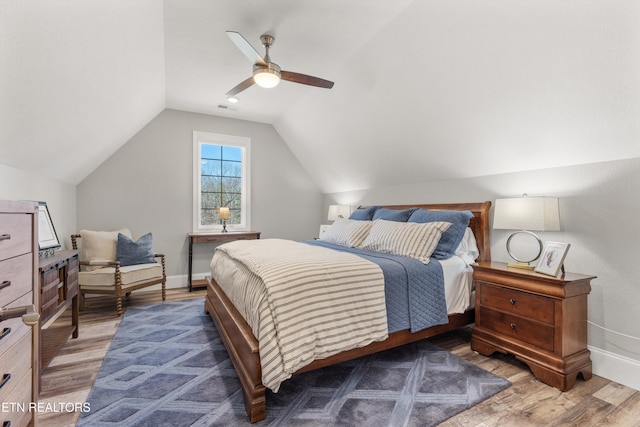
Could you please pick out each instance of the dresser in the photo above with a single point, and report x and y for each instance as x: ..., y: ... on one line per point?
x: 58, y: 292
x: 540, y: 319
x: 18, y: 280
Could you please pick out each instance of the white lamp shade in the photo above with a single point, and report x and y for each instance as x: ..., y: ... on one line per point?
x: 338, y: 211
x: 527, y: 213
x: 223, y: 213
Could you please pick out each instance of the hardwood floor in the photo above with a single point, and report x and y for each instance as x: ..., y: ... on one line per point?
x: 528, y: 402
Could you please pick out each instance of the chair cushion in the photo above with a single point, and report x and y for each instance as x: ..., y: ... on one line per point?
x: 100, y: 246
x: 129, y: 275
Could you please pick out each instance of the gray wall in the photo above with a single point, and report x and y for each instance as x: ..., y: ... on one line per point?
x: 147, y: 186
x: 599, y: 207
x: 16, y: 184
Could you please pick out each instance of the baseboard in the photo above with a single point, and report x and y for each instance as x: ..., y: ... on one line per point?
x: 616, y: 368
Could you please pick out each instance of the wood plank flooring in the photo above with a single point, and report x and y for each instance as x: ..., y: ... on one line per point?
x: 528, y: 402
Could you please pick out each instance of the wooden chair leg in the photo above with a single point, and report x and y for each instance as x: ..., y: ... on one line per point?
x: 119, y: 305
x: 81, y: 297
x: 163, y: 291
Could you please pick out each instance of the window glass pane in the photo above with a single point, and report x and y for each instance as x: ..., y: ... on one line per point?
x: 211, y: 151
x: 210, y: 167
x: 231, y: 168
x: 232, y: 153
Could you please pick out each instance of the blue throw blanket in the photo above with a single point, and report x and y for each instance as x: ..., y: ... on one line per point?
x: 414, y: 292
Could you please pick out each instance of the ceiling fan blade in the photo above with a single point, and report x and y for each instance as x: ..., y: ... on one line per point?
x: 305, y: 79
x: 246, y: 48
x: 241, y: 86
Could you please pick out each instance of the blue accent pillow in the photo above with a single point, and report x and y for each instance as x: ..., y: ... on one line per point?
x: 129, y: 252
x: 393, y: 214
x: 453, y: 236
x: 365, y: 214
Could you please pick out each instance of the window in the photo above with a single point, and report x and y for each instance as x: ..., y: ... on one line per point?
x: 221, y: 179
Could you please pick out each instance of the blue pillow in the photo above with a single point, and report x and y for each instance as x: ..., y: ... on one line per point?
x: 129, y: 252
x: 365, y: 214
x: 453, y: 236
x: 393, y: 214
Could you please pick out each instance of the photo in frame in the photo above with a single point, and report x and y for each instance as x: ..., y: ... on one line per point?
x: 552, y: 258
x: 323, y: 229
x: 47, y: 237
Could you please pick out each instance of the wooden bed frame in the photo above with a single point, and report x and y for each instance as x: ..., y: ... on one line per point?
x: 242, y: 346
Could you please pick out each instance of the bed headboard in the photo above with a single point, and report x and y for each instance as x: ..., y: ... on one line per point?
x: 479, y: 223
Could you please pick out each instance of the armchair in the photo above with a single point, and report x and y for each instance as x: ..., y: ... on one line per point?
x: 102, y: 273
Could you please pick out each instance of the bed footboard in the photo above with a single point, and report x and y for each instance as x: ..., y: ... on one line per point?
x: 242, y: 348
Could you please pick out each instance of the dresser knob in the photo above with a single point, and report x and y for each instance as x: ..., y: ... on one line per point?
x: 513, y: 326
x: 512, y: 301
x: 5, y: 236
x: 5, y: 284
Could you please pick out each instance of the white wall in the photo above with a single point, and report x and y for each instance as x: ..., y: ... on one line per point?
x: 16, y: 184
x: 147, y: 186
x: 599, y: 207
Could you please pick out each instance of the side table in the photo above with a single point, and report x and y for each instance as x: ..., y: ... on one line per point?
x: 214, y: 238
x: 542, y: 320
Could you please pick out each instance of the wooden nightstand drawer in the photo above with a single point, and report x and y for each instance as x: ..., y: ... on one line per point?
x: 529, y: 331
x: 518, y: 303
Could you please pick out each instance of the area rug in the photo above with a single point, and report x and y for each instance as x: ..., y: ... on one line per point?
x: 167, y: 367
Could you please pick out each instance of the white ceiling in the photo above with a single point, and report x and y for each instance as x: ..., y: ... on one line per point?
x: 424, y: 90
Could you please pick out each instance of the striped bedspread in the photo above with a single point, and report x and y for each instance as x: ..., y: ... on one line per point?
x: 312, y: 302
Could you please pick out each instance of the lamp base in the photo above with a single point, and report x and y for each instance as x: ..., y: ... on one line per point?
x: 521, y: 265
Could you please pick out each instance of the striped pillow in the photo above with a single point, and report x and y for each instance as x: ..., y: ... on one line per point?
x: 347, y: 232
x: 415, y: 240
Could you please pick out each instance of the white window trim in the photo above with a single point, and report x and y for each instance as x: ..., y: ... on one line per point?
x: 219, y: 139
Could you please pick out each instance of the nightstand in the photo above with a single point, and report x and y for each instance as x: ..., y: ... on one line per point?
x: 540, y: 319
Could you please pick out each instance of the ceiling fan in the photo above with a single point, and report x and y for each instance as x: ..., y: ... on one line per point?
x: 267, y: 74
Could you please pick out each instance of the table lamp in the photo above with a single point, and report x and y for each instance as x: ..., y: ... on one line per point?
x: 526, y: 214
x: 224, y: 214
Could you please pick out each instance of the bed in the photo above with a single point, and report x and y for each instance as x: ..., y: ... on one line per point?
x: 244, y: 349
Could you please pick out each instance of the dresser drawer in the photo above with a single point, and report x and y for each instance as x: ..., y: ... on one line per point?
x: 529, y: 331
x: 18, y: 399
x: 13, y: 329
x: 14, y: 364
x: 15, y: 278
x: 517, y: 303
x: 15, y: 235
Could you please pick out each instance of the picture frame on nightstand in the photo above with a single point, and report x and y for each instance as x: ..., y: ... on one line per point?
x: 323, y: 230
x: 552, y: 258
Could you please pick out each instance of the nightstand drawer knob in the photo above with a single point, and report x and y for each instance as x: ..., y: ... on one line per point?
x: 512, y: 301
x: 513, y: 326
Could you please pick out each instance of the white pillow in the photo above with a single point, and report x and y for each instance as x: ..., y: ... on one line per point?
x: 411, y: 239
x: 468, y: 248
x: 100, y: 246
x: 347, y: 232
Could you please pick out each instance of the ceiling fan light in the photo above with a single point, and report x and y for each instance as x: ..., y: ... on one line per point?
x: 266, y: 78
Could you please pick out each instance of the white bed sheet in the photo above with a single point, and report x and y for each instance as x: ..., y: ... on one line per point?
x: 458, y: 284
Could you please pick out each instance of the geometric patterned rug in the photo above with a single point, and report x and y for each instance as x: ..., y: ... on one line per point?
x: 167, y: 367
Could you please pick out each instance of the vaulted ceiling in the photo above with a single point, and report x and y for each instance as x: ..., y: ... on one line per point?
x: 424, y: 90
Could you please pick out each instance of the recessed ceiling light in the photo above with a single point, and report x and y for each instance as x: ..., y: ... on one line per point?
x: 233, y: 99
